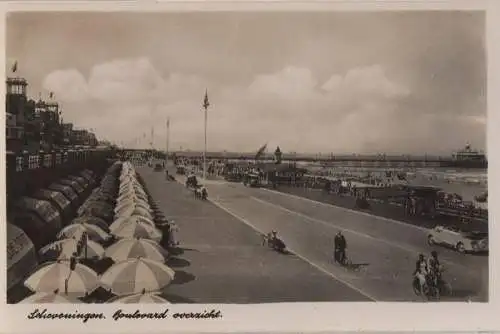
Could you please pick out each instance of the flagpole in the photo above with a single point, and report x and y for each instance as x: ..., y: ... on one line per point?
x: 205, y: 149
x: 205, y: 106
x: 166, y: 144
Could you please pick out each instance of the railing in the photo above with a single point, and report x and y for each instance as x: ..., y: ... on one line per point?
x: 23, y: 162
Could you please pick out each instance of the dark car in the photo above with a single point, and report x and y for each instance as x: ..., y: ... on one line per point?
x: 251, y: 179
x: 158, y: 167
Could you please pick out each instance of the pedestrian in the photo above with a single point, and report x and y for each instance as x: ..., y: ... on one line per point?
x: 174, y: 229
x: 165, y: 229
x: 340, y: 245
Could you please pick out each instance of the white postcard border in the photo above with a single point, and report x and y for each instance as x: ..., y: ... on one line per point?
x: 295, y: 317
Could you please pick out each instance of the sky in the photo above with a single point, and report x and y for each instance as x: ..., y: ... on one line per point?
x: 339, y: 82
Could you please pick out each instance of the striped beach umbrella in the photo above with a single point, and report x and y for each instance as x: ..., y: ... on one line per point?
x: 133, y: 183
x: 134, y: 211
x: 130, y: 220
x: 99, y: 222
x: 140, y: 298
x: 123, y: 205
x: 135, y: 248
x: 137, y: 229
x: 132, y: 196
x: 59, y: 276
x: 134, y: 193
x: 94, y: 232
x: 135, y: 275
x: 94, y: 203
x: 64, y: 249
x: 49, y: 298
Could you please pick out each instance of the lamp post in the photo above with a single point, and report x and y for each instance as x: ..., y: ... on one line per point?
x: 206, y: 104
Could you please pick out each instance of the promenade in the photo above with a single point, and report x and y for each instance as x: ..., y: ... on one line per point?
x: 223, y: 260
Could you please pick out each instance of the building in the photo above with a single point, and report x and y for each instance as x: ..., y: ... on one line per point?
x: 83, y: 137
x: 15, y: 106
x: 67, y: 129
x: 33, y: 125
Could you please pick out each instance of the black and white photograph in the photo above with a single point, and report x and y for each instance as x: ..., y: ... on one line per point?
x: 230, y: 157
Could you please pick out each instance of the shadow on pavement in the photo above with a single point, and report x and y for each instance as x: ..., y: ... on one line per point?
x: 176, y: 299
x: 183, y: 277
x: 176, y: 262
x: 175, y: 251
x: 357, y: 266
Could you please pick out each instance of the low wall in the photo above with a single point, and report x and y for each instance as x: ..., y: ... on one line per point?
x: 28, y: 172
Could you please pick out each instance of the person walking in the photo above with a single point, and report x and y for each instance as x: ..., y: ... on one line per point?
x: 173, y: 229
x: 340, y: 246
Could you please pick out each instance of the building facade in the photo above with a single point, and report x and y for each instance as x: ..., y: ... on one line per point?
x: 37, y: 125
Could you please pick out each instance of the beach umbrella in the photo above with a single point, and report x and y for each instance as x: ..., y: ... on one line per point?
x: 120, y: 206
x: 132, y: 196
x: 102, y: 197
x: 137, y: 230
x: 128, y: 210
x: 64, y: 249
x: 134, y: 211
x: 131, y: 185
x: 132, y: 191
x: 59, y: 276
x: 49, y: 298
x: 96, y: 204
x: 135, y: 248
x: 94, y: 232
x: 129, y: 220
x: 100, y: 212
x: 99, y: 222
x: 135, y: 275
x: 140, y: 298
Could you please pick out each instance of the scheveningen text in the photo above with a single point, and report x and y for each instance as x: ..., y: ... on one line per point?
x: 120, y: 314
x: 44, y: 314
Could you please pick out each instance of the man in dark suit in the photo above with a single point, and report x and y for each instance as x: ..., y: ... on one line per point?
x: 340, y: 245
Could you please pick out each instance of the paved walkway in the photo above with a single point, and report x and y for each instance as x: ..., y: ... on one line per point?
x: 224, y: 262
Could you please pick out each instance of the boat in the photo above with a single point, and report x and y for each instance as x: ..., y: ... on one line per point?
x: 469, y: 158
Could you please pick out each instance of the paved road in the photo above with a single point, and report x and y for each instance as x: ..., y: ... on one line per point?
x: 385, y: 250
x: 223, y: 259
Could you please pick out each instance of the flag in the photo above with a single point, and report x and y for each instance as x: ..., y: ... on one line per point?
x: 14, y: 67
x: 206, y: 104
x: 260, y: 151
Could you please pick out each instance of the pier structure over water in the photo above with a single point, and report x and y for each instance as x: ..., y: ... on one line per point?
x: 353, y: 160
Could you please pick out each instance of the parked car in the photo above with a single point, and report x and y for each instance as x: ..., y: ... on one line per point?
x: 461, y: 241
x: 158, y: 167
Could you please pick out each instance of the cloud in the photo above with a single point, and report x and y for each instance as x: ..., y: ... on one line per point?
x: 360, y: 110
x: 68, y: 85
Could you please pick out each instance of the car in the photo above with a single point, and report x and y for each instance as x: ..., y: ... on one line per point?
x: 158, y: 167
x: 461, y: 241
x: 251, y: 180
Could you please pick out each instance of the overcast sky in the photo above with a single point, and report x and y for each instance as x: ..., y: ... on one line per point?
x: 309, y: 82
